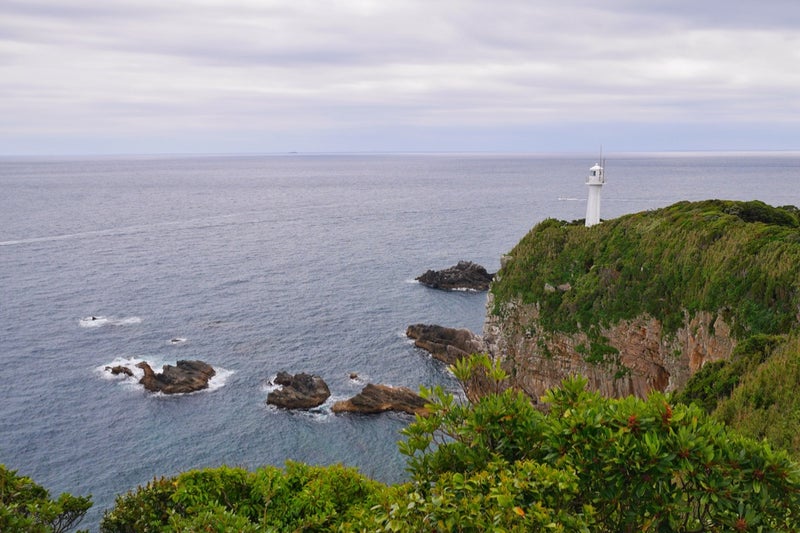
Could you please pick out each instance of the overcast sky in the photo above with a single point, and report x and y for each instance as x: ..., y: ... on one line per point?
x: 233, y: 76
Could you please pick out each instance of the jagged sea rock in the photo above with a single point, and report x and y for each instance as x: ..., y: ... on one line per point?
x: 185, y: 376
x: 445, y: 344
x: 466, y: 275
x: 119, y: 369
x: 299, y: 391
x: 381, y: 398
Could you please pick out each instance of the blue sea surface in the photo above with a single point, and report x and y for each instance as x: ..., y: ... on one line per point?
x: 257, y: 264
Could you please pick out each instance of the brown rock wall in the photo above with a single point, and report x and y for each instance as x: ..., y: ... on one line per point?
x: 647, y: 360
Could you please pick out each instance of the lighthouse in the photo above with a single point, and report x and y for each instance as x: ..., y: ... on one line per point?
x: 595, y: 182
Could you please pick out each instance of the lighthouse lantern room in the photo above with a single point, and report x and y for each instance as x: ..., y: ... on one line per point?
x: 595, y: 182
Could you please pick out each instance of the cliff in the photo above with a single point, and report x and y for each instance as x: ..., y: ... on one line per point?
x: 642, y: 302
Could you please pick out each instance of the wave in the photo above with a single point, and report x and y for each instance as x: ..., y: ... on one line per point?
x: 202, y: 222
x: 99, y: 321
x: 132, y: 380
x: 402, y: 334
x: 174, y: 341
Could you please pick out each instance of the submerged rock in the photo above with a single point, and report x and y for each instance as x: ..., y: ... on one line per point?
x: 445, y: 344
x: 466, y: 275
x: 299, y: 391
x: 381, y: 398
x: 185, y: 376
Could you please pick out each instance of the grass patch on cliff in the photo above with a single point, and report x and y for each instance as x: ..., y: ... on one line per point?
x: 717, y: 380
x: 738, y: 259
x: 765, y: 404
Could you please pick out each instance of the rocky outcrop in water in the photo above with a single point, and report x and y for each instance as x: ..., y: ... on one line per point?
x: 299, y: 391
x: 185, y: 376
x: 466, y: 275
x: 381, y: 398
x: 119, y: 369
x: 445, y: 344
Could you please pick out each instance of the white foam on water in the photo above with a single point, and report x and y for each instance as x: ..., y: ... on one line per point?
x: 92, y: 321
x: 98, y: 321
x: 406, y: 338
x: 219, y: 379
x: 126, y: 321
x: 130, y: 363
x: 270, y: 385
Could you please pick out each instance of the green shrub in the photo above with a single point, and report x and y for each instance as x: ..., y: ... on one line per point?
x: 26, y: 506
x: 622, y: 465
x: 143, y: 510
x: 299, y: 498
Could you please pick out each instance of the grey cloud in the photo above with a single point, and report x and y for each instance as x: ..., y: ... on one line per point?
x: 145, y: 66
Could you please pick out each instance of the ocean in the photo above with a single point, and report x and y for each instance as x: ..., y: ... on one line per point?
x: 257, y: 264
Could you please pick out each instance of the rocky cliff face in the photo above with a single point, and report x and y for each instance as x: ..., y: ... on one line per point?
x: 641, y: 359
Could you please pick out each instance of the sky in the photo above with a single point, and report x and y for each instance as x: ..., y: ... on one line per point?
x: 263, y: 76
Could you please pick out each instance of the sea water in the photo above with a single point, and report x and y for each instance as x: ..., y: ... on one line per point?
x: 257, y: 264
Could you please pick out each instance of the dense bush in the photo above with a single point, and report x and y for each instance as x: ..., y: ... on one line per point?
x: 26, y: 506
x: 626, y: 465
x: 735, y: 258
x: 297, y: 498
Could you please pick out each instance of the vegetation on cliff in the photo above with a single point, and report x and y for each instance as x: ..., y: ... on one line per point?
x: 755, y: 391
x: 738, y: 259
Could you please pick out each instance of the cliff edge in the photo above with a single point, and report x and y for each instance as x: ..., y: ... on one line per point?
x: 642, y: 302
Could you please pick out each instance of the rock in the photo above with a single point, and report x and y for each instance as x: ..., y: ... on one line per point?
x: 185, y: 376
x: 381, y: 398
x: 119, y: 369
x: 301, y: 391
x: 283, y: 378
x: 646, y: 360
x: 465, y: 275
x: 445, y: 344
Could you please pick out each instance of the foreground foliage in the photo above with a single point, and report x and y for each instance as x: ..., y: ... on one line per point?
x: 626, y: 465
x: 299, y: 498
x: 588, y: 464
x: 26, y: 506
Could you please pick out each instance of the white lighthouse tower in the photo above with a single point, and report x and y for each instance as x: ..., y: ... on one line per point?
x: 595, y: 182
